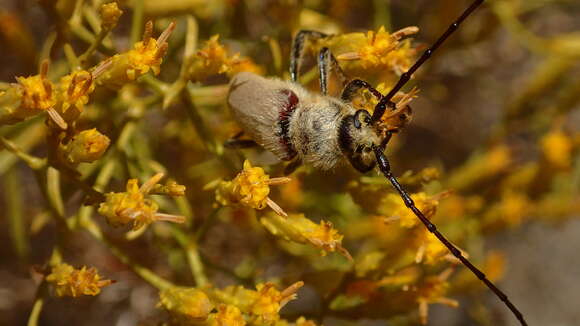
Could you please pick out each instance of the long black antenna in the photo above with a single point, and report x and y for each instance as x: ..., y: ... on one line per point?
x: 382, y: 105
x: 385, y: 168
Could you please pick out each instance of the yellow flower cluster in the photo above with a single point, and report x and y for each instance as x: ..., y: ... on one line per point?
x: 297, y: 228
x: 213, y: 59
x: 251, y: 188
x: 131, y: 207
x: 71, y: 282
x: 146, y: 55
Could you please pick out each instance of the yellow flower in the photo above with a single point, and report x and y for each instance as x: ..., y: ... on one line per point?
x: 431, y: 250
x: 185, y: 305
x: 71, y: 282
x: 73, y: 94
x: 37, y: 93
x: 557, y: 148
x: 395, y: 208
x: 249, y: 188
x: 263, y: 305
x: 433, y: 290
x: 227, y: 315
x: 298, y: 228
x: 87, y: 146
x: 498, y: 158
x: 146, y: 55
x: 213, y: 59
x: 110, y: 14
x: 29, y: 97
x: 131, y: 207
x: 170, y: 188
x: 375, y: 51
x: 514, y: 207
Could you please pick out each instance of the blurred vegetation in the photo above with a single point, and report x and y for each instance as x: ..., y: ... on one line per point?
x: 99, y: 106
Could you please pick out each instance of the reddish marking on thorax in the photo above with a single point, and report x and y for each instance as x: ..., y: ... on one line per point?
x: 284, y: 123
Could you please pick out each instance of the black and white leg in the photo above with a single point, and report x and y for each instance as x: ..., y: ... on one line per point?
x: 297, y: 53
x: 326, y: 64
x: 354, y: 86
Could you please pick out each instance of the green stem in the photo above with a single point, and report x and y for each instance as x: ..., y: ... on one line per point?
x: 137, y: 21
x: 33, y: 162
x: 14, y: 205
x: 37, y: 306
x: 193, y: 258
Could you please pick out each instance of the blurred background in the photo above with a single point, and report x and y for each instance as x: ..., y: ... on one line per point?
x: 496, y: 118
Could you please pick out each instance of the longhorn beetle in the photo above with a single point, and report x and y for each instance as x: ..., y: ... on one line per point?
x: 320, y: 130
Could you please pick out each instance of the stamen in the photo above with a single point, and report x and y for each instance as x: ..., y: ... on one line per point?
x: 165, y: 34
x: 57, y: 118
x: 275, y: 207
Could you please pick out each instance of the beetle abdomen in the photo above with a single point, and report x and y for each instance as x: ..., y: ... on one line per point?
x: 264, y: 109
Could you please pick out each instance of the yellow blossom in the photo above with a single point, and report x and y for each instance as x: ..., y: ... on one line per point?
x: 146, y: 55
x: 431, y: 250
x: 131, y: 207
x: 298, y: 228
x: 368, y: 262
x: 557, y: 148
x: 227, y: 315
x: 514, y: 206
x: 393, y: 207
x: 29, y: 97
x: 375, y: 51
x: 433, y: 290
x: 251, y: 188
x: 213, y: 59
x: 87, y: 146
x: 73, y: 94
x: 185, y: 305
x: 71, y: 282
x: 170, y: 188
x: 110, y: 14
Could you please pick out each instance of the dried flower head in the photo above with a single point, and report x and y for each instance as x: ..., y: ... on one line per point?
x: 185, y: 305
x: 131, y: 207
x: 249, y: 188
x: 71, y: 282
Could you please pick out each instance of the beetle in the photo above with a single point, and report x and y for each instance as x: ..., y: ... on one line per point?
x: 317, y: 129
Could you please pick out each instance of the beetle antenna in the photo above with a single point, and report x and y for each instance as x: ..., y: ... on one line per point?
x: 385, y: 168
x: 382, y: 105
